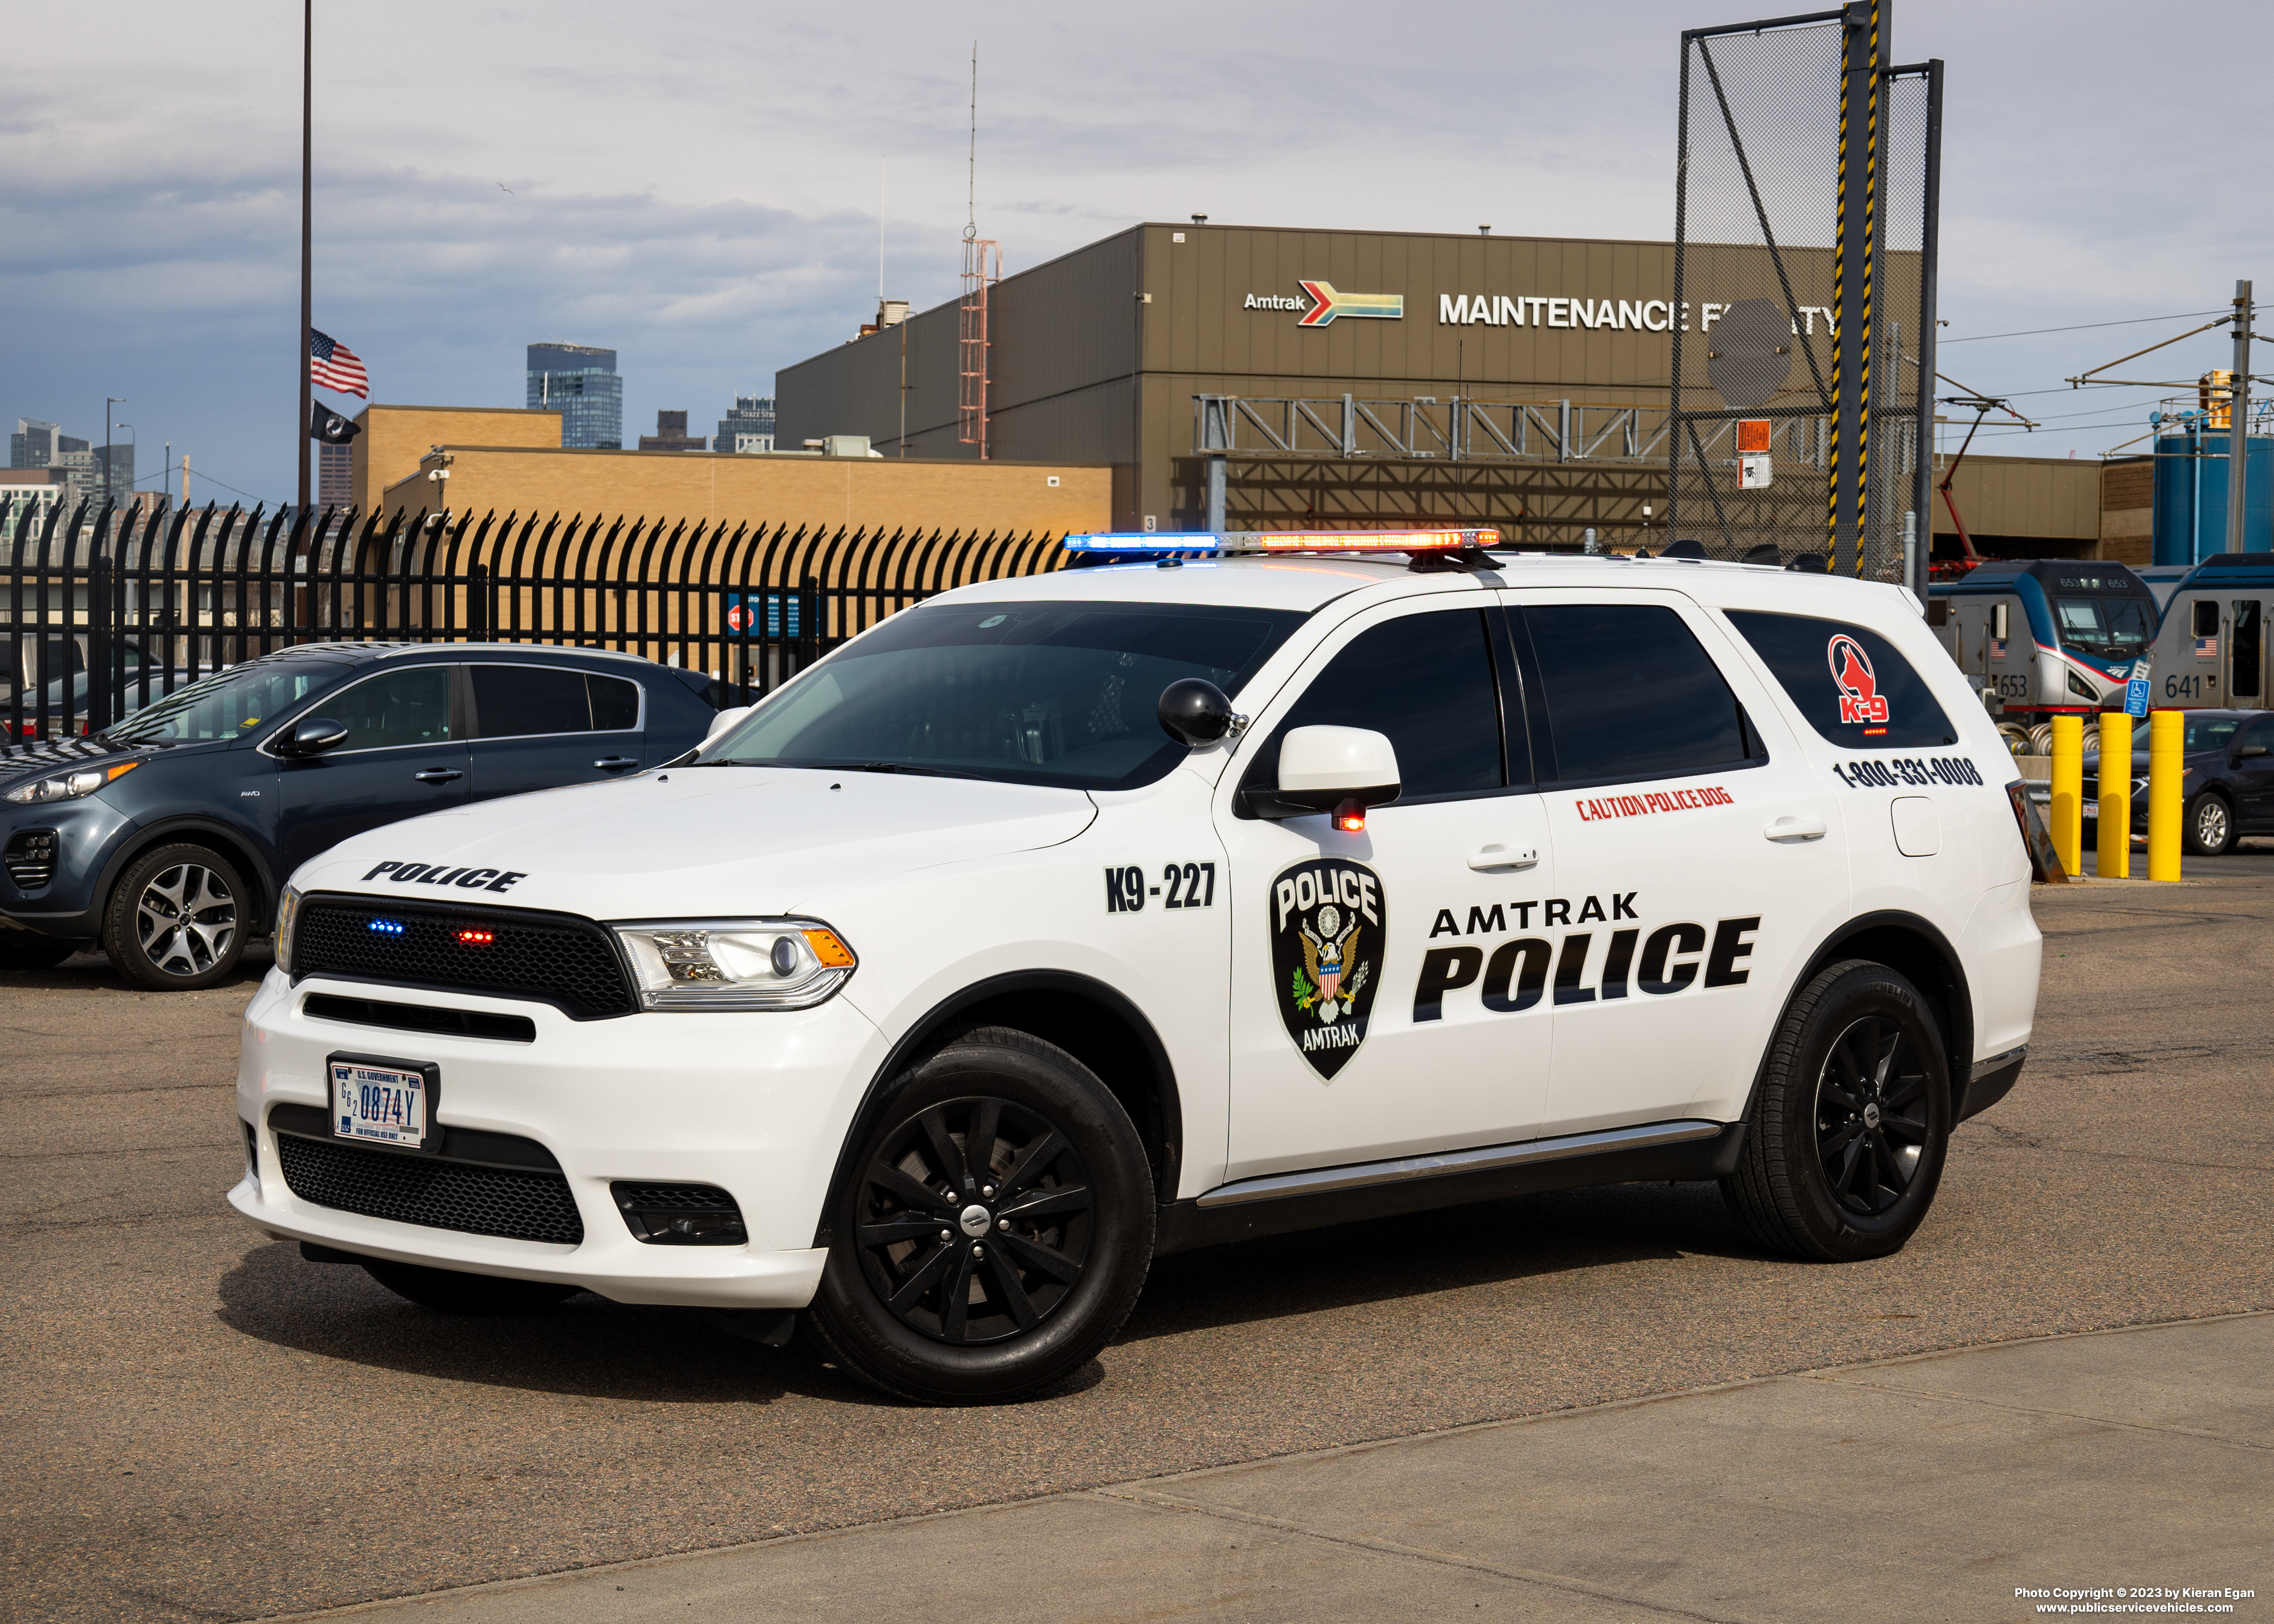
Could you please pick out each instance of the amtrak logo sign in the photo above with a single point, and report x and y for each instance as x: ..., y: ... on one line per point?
x: 1328, y: 930
x: 1321, y: 302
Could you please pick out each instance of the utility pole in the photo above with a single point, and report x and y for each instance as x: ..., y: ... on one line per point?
x: 307, y: 294
x: 109, y: 473
x: 2238, y: 465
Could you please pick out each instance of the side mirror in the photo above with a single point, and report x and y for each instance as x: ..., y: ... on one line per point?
x: 2249, y: 750
x: 311, y: 735
x: 1338, y: 769
x: 1194, y: 711
x: 726, y: 719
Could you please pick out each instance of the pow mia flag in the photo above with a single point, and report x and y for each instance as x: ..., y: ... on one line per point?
x: 1329, y: 927
x: 328, y: 425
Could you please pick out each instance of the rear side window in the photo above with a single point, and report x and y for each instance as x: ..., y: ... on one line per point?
x: 615, y: 703
x: 1425, y: 680
x: 1631, y: 694
x: 1849, y: 682
x: 516, y: 702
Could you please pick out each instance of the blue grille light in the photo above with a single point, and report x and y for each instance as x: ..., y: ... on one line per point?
x: 389, y: 927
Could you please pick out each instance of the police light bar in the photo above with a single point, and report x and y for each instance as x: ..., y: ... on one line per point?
x: 1230, y: 542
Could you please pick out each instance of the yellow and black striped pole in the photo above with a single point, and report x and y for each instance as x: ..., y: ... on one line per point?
x: 1855, y: 232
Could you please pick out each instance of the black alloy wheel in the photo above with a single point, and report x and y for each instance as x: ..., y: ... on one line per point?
x: 1871, y: 1124
x: 177, y: 919
x: 27, y: 950
x: 1850, y: 1121
x: 455, y: 1292
x: 2211, y: 825
x: 975, y: 1221
x: 992, y: 1230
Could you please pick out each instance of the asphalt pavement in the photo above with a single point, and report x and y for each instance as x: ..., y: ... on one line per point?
x: 200, y: 1425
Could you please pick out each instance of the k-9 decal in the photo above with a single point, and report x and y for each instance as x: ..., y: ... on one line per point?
x: 1330, y: 930
x: 1183, y: 886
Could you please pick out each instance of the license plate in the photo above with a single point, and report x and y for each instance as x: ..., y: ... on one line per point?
x: 381, y: 1104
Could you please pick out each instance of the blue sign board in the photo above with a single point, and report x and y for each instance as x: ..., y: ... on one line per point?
x: 776, y: 611
x: 2135, y: 697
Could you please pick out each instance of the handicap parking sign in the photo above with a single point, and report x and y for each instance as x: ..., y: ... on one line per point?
x: 2135, y: 691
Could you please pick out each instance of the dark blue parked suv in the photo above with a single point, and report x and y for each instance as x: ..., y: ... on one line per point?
x: 168, y: 837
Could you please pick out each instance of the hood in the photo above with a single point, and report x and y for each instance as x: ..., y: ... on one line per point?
x: 20, y: 761
x: 697, y: 842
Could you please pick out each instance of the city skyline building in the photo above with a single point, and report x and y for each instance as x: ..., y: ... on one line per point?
x: 580, y: 382
x: 671, y: 434
x: 33, y: 445
x: 334, y: 475
x: 749, y: 427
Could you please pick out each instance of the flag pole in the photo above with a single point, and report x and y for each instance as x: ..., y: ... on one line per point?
x: 307, y: 294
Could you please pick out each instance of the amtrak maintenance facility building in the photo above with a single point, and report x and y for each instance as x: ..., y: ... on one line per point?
x: 1353, y: 378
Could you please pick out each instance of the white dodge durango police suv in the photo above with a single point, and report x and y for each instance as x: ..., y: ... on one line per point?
x: 1058, y: 923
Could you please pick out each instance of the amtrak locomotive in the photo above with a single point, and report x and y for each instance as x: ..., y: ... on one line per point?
x: 2209, y: 649
x: 2041, y: 635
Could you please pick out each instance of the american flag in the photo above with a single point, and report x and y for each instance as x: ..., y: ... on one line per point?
x: 335, y: 366
x: 2207, y: 648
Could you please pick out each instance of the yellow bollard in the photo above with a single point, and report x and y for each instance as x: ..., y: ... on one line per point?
x: 2115, y: 795
x: 2167, y: 744
x: 2068, y: 793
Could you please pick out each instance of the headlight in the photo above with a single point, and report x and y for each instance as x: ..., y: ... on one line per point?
x: 288, y: 910
x: 68, y: 785
x: 736, y: 964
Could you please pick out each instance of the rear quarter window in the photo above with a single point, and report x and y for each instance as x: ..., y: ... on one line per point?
x: 1849, y: 682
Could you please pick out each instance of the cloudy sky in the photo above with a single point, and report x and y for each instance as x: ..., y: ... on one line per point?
x: 702, y: 185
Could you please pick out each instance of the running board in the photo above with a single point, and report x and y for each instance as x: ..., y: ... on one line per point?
x: 1287, y: 1201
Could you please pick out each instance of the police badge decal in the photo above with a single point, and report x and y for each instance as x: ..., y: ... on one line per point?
x: 1328, y: 929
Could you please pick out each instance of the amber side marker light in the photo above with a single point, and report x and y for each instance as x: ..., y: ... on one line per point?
x: 833, y: 954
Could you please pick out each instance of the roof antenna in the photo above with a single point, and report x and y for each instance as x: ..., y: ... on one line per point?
x: 971, y: 173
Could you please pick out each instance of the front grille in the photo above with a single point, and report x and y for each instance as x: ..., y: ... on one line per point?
x: 440, y: 1194
x: 420, y: 1018
x: 30, y: 858
x: 557, y: 958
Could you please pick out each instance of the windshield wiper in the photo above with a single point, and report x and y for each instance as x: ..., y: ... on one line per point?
x: 880, y: 766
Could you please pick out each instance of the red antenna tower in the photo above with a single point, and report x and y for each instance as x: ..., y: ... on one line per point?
x: 983, y: 268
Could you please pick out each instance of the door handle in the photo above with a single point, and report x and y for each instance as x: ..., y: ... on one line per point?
x: 1498, y: 856
x: 611, y: 763
x: 1790, y: 830
x: 438, y: 775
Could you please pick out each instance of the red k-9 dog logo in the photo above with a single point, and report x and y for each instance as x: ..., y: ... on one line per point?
x: 1860, y: 699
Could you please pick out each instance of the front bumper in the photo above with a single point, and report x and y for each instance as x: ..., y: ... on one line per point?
x: 756, y: 1104
x: 69, y: 904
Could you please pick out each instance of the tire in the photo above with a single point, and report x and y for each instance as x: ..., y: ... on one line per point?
x: 2209, y: 827
x: 24, y: 950
x: 177, y: 919
x: 1850, y: 1123
x: 454, y: 1291
x: 1003, y: 1289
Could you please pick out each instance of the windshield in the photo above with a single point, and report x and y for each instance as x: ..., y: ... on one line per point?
x: 225, y: 705
x: 2111, y: 627
x: 1058, y: 694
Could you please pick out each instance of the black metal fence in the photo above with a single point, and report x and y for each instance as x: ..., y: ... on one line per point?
x: 102, y: 612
